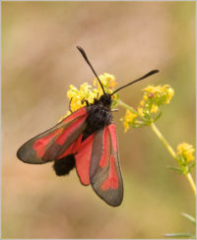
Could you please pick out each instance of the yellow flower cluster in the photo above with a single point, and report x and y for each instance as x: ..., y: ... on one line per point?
x: 129, y: 119
x: 108, y: 82
x: 89, y: 93
x: 186, y: 151
x: 76, y: 96
x: 155, y: 96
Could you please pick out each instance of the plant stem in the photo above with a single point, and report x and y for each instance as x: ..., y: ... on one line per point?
x: 163, y: 140
x: 173, y: 154
x: 191, y: 182
x: 121, y: 103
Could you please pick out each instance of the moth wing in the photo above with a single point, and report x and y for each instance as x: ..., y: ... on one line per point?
x: 56, y: 142
x: 105, y: 174
x: 83, y: 160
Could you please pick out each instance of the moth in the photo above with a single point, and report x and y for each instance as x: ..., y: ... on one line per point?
x: 85, y: 140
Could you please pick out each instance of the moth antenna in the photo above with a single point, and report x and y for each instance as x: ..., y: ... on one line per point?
x: 88, y: 62
x: 139, y: 79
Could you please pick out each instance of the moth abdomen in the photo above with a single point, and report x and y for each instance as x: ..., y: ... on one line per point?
x: 64, y: 165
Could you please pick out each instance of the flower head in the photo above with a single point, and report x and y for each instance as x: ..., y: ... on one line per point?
x: 148, y: 108
x: 87, y: 92
x: 153, y: 97
x: 186, y: 151
x: 129, y: 119
x: 159, y: 94
x: 76, y: 96
x: 108, y: 81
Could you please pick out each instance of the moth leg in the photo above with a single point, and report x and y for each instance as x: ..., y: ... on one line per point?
x: 70, y: 105
x: 86, y: 101
x: 114, y: 110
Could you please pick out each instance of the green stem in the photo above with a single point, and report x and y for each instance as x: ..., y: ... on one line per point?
x: 163, y: 140
x: 121, y: 103
x: 173, y: 154
x: 191, y: 182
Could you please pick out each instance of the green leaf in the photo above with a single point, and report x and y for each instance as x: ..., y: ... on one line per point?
x: 138, y: 125
x: 158, y: 116
x: 191, y: 166
x: 189, y: 217
x: 176, y: 169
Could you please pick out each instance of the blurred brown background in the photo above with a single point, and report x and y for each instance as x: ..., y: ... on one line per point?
x: 40, y: 61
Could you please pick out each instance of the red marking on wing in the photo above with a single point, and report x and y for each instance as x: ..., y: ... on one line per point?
x: 77, y: 114
x: 62, y: 138
x: 106, y: 143
x: 83, y: 159
x: 40, y: 145
x: 112, y: 180
x: 73, y: 148
x: 112, y: 130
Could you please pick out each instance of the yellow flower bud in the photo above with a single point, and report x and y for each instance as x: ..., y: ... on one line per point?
x: 128, y: 119
x: 107, y: 80
x: 141, y: 111
x: 154, y: 108
x: 186, y: 151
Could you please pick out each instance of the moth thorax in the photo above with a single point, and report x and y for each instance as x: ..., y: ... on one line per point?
x: 98, y: 118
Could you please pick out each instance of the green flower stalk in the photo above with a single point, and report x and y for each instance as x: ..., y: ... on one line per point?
x: 147, y: 113
x: 186, y: 153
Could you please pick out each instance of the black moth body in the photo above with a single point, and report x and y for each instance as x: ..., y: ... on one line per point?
x: 99, y: 116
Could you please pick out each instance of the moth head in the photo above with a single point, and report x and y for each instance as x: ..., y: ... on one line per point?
x: 106, y: 100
